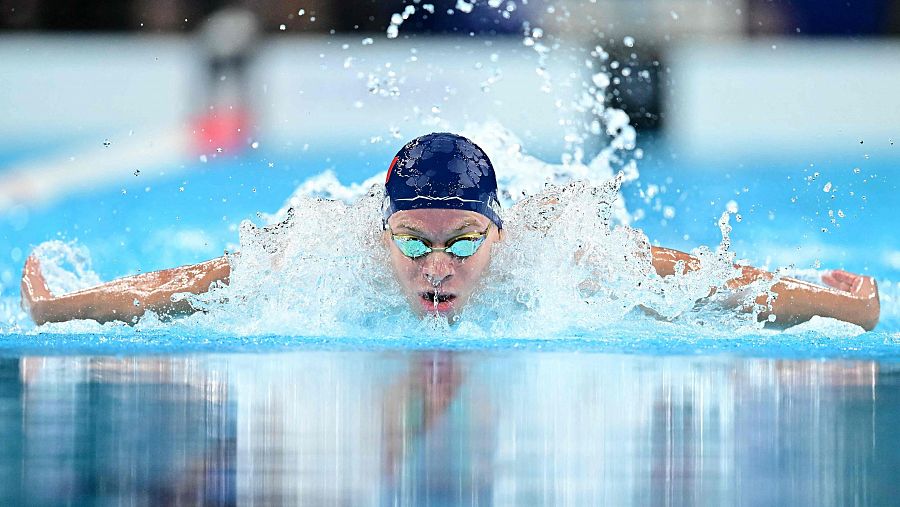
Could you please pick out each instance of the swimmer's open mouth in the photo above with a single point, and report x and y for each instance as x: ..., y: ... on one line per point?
x: 440, y: 298
x: 437, y: 302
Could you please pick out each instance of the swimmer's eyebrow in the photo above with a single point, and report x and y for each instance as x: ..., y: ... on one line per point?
x: 414, y: 229
x: 411, y: 228
x: 465, y: 225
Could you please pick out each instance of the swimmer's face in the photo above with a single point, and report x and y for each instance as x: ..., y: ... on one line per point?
x: 439, y: 274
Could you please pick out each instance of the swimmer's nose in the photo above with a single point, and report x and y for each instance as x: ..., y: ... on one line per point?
x: 438, y: 268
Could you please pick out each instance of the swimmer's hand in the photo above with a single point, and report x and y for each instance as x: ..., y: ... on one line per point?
x: 846, y: 296
x: 859, y: 286
x: 125, y: 299
x: 35, y: 293
x: 862, y: 291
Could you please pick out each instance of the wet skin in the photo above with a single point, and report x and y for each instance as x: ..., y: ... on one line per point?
x: 439, y: 283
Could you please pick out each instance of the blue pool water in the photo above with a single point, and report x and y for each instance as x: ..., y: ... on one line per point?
x: 634, y: 414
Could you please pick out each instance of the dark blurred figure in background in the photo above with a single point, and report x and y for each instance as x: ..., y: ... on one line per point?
x: 823, y: 17
x: 318, y: 15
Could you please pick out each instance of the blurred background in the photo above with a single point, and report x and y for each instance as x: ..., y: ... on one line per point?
x: 147, y: 130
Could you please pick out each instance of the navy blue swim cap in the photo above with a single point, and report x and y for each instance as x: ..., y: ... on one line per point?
x: 442, y: 171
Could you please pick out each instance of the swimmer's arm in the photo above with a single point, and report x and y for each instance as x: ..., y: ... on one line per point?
x: 124, y: 299
x: 848, y: 297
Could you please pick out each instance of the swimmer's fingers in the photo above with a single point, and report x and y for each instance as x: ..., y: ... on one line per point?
x: 829, y: 280
x: 841, y: 280
x: 860, y: 286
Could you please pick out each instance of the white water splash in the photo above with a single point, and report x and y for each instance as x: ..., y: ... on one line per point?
x: 570, y: 263
x: 66, y: 266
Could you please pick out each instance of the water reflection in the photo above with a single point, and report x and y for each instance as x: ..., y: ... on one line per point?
x: 447, y: 428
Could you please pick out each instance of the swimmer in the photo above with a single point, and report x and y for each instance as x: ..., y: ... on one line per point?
x: 440, y: 223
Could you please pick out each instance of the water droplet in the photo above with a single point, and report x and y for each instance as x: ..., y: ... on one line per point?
x: 463, y: 6
x: 436, y: 109
x: 282, y: 27
x: 137, y: 172
x: 106, y: 143
x: 219, y: 150
x: 827, y: 187
x: 841, y: 213
x: 271, y: 164
x: 368, y: 41
x: 674, y: 15
x: 628, y: 41
x: 136, y: 303
x: 301, y: 12
x: 203, y: 158
x: 254, y: 144
x: 600, y: 79
x: 856, y: 170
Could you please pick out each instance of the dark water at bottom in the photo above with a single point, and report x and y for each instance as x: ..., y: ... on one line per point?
x: 447, y: 428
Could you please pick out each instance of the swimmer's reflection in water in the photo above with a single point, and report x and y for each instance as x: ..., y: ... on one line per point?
x: 440, y: 224
x: 438, y: 435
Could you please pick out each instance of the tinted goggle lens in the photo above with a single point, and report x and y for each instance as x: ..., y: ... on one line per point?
x: 411, y: 247
x: 415, y: 248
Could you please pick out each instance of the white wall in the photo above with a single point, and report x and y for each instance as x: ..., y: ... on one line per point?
x: 740, y: 97
x: 61, y: 85
x: 73, y: 86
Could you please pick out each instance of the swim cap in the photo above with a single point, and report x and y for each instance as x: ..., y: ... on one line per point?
x: 442, y: 171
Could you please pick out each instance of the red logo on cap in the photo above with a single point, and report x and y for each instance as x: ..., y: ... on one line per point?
x: 391, y: 169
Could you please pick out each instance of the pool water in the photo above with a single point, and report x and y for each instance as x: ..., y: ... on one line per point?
x: 326, y: 427
x: 640, y: 412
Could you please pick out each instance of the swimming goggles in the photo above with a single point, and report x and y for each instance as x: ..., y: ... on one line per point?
x: 460, y: 246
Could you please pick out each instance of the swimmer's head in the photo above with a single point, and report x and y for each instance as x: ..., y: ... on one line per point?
x: 440, y: 220
x: 442, y: 171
